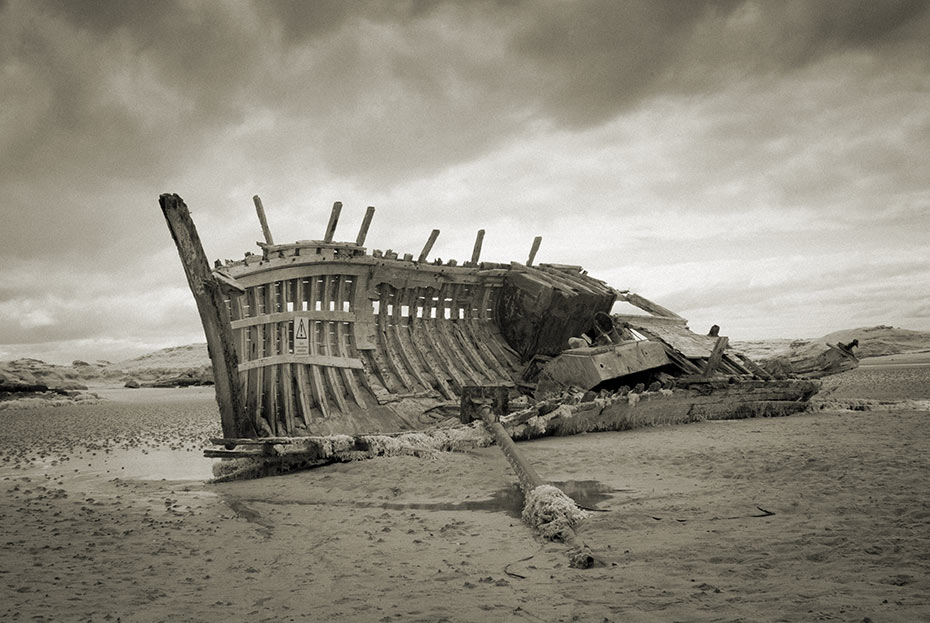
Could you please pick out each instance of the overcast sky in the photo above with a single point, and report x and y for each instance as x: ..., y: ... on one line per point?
x: 764, y: 166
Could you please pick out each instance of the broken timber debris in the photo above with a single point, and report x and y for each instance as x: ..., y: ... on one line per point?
x: 320, y: 338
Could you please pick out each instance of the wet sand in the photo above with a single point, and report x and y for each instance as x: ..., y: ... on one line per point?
x: 818, y: 516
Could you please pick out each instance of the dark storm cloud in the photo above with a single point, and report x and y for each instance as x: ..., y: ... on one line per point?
x: 375, y: 85
x: 860, y: 23
x: 596, y: 59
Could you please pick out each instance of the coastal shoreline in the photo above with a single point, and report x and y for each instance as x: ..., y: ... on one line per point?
x: 817, y: 515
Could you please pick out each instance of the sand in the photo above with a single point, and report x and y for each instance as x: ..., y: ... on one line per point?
x: 817, y: 516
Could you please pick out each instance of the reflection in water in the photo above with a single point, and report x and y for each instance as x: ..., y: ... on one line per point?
x: 132, y: 463
x: 586, y: 493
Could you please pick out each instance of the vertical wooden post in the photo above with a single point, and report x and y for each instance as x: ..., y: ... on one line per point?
x: 476, y: 252
x: 429, y: 245
x: 333, y: 220
x: 261, y: 219
x: 715, y: 356
x: 213, y: 315
x: 536, y: 242
x: 366, y: 223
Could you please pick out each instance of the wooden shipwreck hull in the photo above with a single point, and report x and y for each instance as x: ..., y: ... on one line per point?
x: 320, y: 338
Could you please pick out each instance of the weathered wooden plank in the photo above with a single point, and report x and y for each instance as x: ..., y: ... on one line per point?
x: 572, y: 281
x: 471, y: 334
x: 319, y: 391
x: 331, y: 374
x: 645, y: 304
x: 533, y: 250
x: 270, y: 392
x: 303, y: 392
x: 286, y: 382
x: 328, y: 302
x: 213, y: 315
x: 366, y: 223
x: 475, y: 329
x: 753, y: 366
x: 348, y: 375
x: 715, y: 356
x: 306, y: 267
x: 431, y: 312
x: 242, y: 335
x: 258, y: 385
x: 256, y: 351
x: 315, y: 360
x: 400, y: 328
x: 333, y: 221
x: 476, y: 251
x: 636, y: 320
x: 316, y: 374
x: 485, y: 325
x: 418, y: 341
x: 428, y: 246
x: 446, y: 333
x: 386, y: 307
x: 260, y: 209
x: 228, y: 284
x: 467, y: 344
x: 286, y: 316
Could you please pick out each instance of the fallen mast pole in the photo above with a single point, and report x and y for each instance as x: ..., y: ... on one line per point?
x: 529, y: 480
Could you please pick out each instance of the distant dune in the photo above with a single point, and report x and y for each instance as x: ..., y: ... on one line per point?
x: 176, y: 357
x: 873, y: 342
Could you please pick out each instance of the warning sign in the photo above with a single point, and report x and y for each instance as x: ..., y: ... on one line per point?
x: 301, y: 336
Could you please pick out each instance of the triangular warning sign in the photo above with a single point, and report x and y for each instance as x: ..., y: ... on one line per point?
x: 301, y: 333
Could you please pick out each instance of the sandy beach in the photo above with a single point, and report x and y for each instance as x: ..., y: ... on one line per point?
x: 818, y: 516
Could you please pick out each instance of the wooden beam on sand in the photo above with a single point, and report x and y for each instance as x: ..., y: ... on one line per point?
x: 213, y: 315
x: 476, y: 403
x: 333, y: 221
x: 260, y: 209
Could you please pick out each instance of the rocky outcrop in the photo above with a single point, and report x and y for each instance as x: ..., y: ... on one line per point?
x: 194, y: 376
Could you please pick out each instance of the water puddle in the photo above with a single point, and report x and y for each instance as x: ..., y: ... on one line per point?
x: 133, y: 463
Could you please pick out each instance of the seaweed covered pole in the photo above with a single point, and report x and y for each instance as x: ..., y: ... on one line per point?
x: 213, y: 314
x: 546, y: 508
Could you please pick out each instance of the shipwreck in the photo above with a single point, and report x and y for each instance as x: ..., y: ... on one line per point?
x: 319, y: 337
x: 325, y: 351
